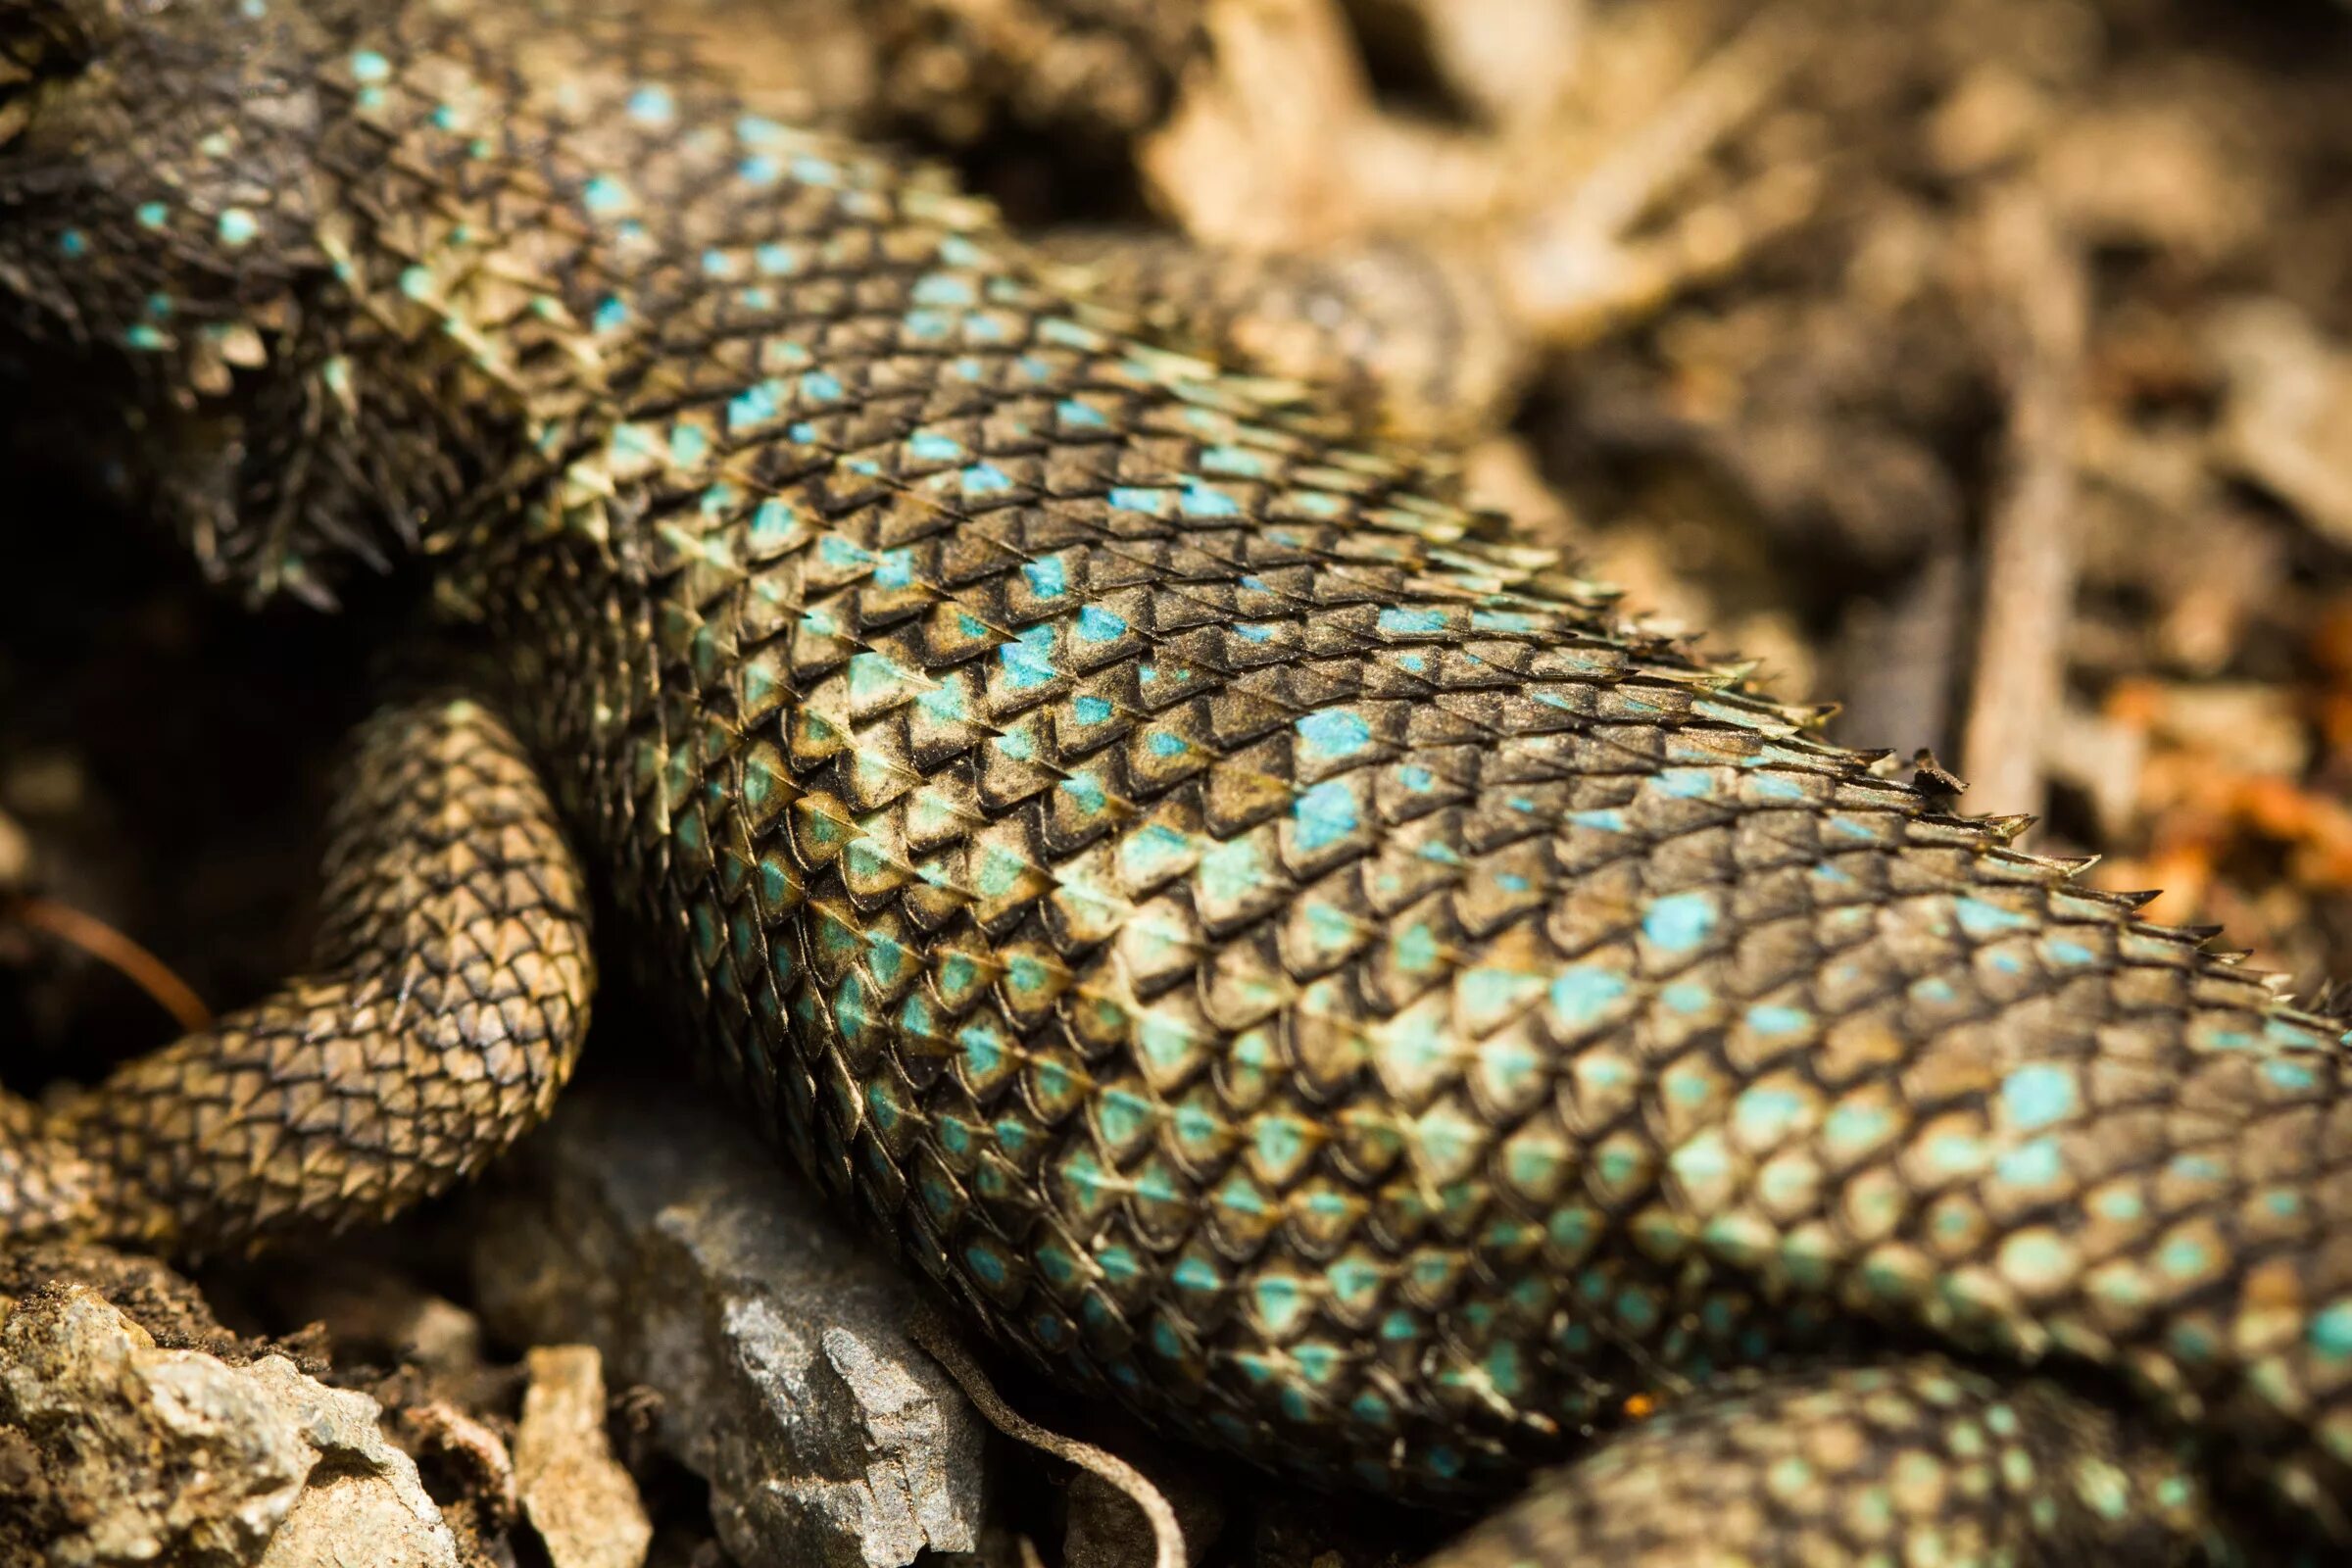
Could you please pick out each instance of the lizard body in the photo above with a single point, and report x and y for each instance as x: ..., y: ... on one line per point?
x: 1271, y: 954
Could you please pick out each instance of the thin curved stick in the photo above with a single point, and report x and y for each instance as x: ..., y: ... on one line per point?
x: 939, y: 1341
x: 111, y: 946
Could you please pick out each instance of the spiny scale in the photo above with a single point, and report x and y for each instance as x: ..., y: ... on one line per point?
x: 1272, y: 954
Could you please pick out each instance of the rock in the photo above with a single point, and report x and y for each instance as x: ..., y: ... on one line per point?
x: 645, y: 1223
x: 579, y: 1498
x: 365, y: 1505
x: 147, y: 1454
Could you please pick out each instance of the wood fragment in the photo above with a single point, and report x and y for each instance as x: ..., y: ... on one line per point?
x: 111, y: 946
x: 2040, y: 315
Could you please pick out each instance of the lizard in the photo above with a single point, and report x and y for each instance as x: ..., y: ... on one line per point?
x: 1269, y: 953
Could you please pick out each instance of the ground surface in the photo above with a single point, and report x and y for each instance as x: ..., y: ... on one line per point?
x: 2030, y: 439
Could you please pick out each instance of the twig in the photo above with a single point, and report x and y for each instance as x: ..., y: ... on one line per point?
x: 1901, y: 655
x: 1570, y: 253
x: 2032, y: 549
x: 1167, y: 1536
x: 109, y: 946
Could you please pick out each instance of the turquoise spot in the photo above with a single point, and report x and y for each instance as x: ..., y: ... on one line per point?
x: 942, y: 288
x: 2038, y: 1095
x: 1071, y: 412
x: 1161, y: 743
x: 1505, y: 621
x: 604, y: 195
x: 2290, y: 1076
x: 73, y: 243
x: 1765, y: 1113
x: 772, y: 523
x: 1775, y: 1021
x: 758, y: 170
x: 2033, y: 1164
x: 1235, y: 461
x: 1617, y: 1166
x: 775, y: 259
x: 1336, y: 732
x: 238, y: 226
x: 929, y: 446
x: 819, y: 387
x: 152, y: 215
x: 611, y: 313
x: 2184, y: 1256
x: 1200, y: 501
x: 1680, y: 922
x: 983, y: 1052
x: 687, y: 445
x: 144, y: 337
x: 1091, y: 709
x: 1098, y: 625
x: 1255, y: 632
x: 368, y: 65
x: 754, y: 405
x: 1412, y: 622
x: 1195, y: 1273
x: 1687, y: 998
x: 1326, y: 815
x: 2072, y: 954
x: 1029, y: 660
x: 1048, y: 578
x: 942, y: 704
x: 651, y: 105
x: 1686, y: 783
x: 984, y: 479
x: 1582, y: 995
x: 1131, y: 499
x: 1983, y: 920
x: 1229, y: 870
x: 2330, y: 1332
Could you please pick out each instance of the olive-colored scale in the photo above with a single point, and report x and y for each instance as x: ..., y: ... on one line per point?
x: 1273, y: 954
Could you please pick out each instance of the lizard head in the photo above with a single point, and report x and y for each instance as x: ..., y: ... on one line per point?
x: 170, y: 308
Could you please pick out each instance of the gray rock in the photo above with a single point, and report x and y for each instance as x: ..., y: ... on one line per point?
x: 646, y: 1224
x: 152, y: 1455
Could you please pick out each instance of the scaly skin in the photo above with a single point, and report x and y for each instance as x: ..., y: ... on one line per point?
x: 1107, y: 68
x: 1268, y: 955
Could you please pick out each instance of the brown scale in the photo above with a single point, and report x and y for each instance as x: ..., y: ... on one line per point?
x: 1105, y: 66
x: 1267, y: 952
